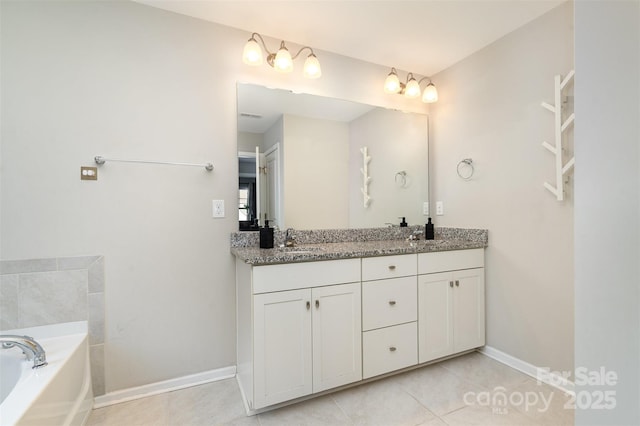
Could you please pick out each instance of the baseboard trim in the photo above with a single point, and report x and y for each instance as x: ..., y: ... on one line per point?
x: 143, y: 391
x: 537, y: 373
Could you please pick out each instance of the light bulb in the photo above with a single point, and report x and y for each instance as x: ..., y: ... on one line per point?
x: 283, y: 61
x: 413, y: 89
x: 430, y: 94
x: 312, y: 67
x: 252, y: 54
x: 392, y: 84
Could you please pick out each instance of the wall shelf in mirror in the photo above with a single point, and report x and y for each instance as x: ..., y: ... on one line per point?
x: 366, y: 179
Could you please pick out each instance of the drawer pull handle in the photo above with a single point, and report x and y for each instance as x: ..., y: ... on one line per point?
x: 392, y: 349
x: 392, y: 302
x: 308, y: 305
x: 457, y: 283
x: 317, y: 303
x: 450, y: 283
x: 392, y: 267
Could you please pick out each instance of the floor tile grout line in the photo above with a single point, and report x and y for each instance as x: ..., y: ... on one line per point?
x: 419, y: 402
x: 463, y: 377
x: 351, y: 421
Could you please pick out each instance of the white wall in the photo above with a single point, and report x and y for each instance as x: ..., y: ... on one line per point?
x: 489, y: 110
x: 316, y: 161
x: 247, y: 141
x: 121, y: 79
x: 607, y: 215
x: 395, y: 142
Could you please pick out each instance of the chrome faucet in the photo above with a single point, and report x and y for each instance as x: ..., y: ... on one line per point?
x: 29, y: 346
x: 415, y: 235
x: 289, y: 241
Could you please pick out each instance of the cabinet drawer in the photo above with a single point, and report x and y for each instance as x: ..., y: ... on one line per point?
x: 389, y: 302
x: 291, y: 276
x: 389, y: 349
x: 442, y: 261
x: 379, y: 268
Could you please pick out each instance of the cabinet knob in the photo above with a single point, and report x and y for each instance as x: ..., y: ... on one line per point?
x: 392, y: 267
x: 317, y: 303
x: 392, y: 349
x: 450, y: 283
x: 457, y: 283
x: 308, y: 305
x: 392, y: 302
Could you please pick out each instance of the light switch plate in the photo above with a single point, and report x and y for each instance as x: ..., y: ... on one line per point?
x: 439, y: 208
x: 218, y: 208
x: 425, y: 208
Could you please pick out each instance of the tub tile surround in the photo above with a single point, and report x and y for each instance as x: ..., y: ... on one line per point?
x: 35, y: 292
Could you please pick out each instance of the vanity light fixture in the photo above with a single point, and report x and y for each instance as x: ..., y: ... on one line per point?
x: 281, y: 61
x: 411, y: 88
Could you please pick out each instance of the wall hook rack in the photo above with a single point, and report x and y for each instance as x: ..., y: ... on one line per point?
x: 366, y: 179
x: 560, y: 127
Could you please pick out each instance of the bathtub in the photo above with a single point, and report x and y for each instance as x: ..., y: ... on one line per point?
x: 57, y: 394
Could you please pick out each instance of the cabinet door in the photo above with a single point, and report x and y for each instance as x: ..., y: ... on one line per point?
x: 468, y: 307
x: 435, y: 316
x: 337, y: 343
x: 282, y: 346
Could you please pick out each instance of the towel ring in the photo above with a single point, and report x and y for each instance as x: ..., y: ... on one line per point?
x: 468, y: 175
x: 403, y: 179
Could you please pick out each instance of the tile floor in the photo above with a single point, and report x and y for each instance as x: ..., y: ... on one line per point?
x: 432, y: 395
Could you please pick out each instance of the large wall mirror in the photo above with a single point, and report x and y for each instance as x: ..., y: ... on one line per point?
x: 300, y: 161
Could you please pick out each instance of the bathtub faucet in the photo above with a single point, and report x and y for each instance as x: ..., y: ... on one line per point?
x: 29, y: 346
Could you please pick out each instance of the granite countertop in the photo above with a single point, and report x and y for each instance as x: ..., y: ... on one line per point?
x: 327, y: 249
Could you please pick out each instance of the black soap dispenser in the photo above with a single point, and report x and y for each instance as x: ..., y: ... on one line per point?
x: 266, y: 236
x: 403, y: 224
x: 428, y: 231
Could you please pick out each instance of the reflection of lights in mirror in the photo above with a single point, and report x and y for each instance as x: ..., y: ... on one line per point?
x: 313, y: 179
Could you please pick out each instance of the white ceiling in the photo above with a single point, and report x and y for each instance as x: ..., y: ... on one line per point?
x: 422, y: 36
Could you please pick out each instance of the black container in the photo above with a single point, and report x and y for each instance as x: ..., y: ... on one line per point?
x: 428, y: 231
x: 266, y: 236
x: 404, y: 223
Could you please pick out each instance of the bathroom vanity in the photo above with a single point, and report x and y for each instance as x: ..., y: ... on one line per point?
x: 324, y: 315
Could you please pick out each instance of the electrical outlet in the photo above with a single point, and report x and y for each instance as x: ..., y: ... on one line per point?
x: 218, y: 208
x: 439, y: 208
x: 88, y: 173
x: 425, y: 208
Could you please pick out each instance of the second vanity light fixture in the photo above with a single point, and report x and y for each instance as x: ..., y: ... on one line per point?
x: 410, y: 89
x: 281, y: 61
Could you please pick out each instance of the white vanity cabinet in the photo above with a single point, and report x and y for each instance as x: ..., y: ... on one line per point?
x: 389, y: 314
x: 299, y: 329
x: 306, y: 327
x: 451, y: 304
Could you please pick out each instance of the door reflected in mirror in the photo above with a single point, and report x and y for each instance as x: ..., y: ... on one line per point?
x: 307, y: 171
